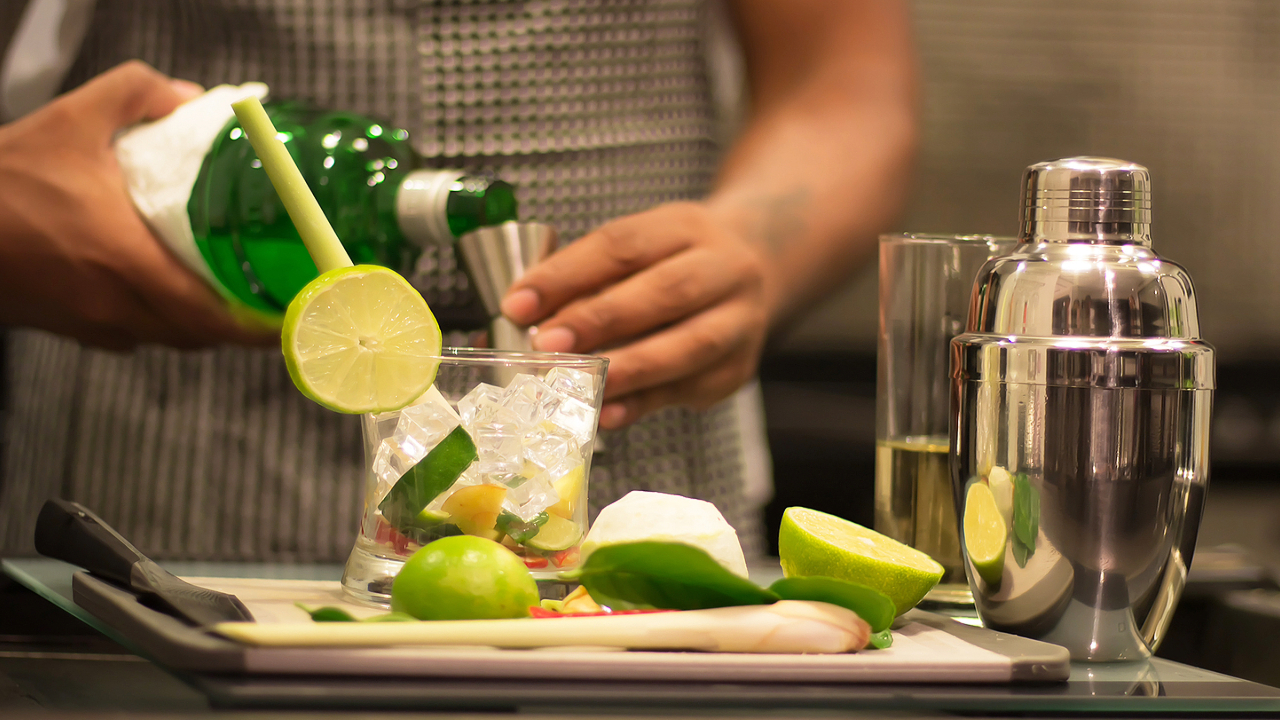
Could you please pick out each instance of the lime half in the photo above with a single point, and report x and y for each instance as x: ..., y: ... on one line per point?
x: 985, y: 533
x: 815, y: 543
x: 361, y: 339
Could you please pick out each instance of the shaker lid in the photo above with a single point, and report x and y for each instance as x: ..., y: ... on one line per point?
x: 1084, y: 265
x: 1083, y: 299
x: 1087, y: 200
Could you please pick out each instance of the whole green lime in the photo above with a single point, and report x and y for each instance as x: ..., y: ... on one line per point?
x: 464, y: 577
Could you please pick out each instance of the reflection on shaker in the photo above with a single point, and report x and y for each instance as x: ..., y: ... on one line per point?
x: 1082, y: 373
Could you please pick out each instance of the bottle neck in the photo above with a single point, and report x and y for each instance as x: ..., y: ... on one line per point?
x: 422, y: 206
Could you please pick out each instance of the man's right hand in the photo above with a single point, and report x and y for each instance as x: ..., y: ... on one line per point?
x: 75, y: 257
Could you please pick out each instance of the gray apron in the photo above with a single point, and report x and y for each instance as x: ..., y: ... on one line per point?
x: 593, y: 109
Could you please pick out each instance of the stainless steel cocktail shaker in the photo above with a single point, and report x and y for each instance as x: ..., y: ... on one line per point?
x: 1081, y: 395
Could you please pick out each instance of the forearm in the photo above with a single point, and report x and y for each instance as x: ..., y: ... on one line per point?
x: 822, y: 166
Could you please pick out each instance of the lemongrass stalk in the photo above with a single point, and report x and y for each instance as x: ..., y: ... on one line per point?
x: 787, y: 626
x: 313, y: 227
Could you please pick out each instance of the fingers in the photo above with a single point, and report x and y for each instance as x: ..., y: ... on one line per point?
x: 190, y: 307
x: 78, y: 258
x: 596, y: 260
x: 679, y: 300
x: 686, y: 348
x: 675, y: 288
x: 633, y: 276
x: 699, y: 391
x: 134, y: 91
x: 183, y: 312
x: 163, y: 301
x: 128, y: 93
x: 133, y: 305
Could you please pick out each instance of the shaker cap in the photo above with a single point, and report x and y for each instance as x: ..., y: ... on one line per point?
x: 1083, y: 300
x: 1094, y: 200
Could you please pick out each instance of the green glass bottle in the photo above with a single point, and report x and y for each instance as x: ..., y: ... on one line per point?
x: 383, y: 205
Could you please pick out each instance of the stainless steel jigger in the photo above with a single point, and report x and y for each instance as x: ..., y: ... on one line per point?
x: 494, y: 257
x: 1081, y: 396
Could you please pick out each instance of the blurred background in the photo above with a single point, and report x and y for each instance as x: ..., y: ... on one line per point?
x: 1189, y: 88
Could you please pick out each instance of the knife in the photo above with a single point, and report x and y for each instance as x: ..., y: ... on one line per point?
x: 69, y: 531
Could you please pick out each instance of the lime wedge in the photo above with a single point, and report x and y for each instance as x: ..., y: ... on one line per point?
x: 361, y: 339
x: 569, y: 488
x: 556, y: 534
x: 429, y: 517
x: 815, y: 543
x: 474, y: 509
x: 985, y: 533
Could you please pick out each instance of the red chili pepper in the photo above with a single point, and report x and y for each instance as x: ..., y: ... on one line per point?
x: 541, y: 612
x: 565, y: 558
x: 400, y: 543
x: 533, y: 562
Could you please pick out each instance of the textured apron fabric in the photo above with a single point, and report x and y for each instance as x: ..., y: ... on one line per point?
x: 593, y: 109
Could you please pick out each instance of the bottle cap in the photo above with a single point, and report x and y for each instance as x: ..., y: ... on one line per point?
x: 422, y: 206
x: 1087, y: 200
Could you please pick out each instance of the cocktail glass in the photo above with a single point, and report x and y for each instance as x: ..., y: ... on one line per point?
x: 925, y: 285
x: 499, y: 447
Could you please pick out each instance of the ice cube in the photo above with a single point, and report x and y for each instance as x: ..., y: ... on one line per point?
x: 482, y: 401
x: 575, y: 383
x: 389, y: 464
x: 384, y: 424
x: 545, y: 448
x: 571, y: 416
x: 530, y: 497
x: 422, y: 426
x: 567, y: 465
x: 510, y: 480
x: 434, y: 396
x: 526, y: 396
x: 499, y: 443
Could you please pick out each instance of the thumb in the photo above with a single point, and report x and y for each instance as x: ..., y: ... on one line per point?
x: 130, y: 93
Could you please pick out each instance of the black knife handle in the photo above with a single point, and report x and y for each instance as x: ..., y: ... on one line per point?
x: 69, y: 531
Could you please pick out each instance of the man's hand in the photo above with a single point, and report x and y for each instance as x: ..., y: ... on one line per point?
x: 680, y: 297
x: 674, y: 299
x: 75, y: 257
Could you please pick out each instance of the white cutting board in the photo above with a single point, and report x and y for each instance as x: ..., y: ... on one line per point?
x: 930, y: 649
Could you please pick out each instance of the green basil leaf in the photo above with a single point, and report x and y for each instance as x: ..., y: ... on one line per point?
x: 665, y: 575
x: 881, y: 640
x: 870, y: 604
x: 1033, y: 517
x: 1020, y: 552
x: 1026, y: 512
x: 433, y: 474
x: 519, y: 530
x: 327, y: 614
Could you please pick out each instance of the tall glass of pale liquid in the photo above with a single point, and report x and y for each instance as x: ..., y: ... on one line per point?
x: 925, y: 284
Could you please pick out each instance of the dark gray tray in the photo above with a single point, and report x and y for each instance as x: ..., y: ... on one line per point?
x: 222, y: 670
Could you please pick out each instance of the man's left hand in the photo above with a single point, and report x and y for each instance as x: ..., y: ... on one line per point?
x: 675, y: 300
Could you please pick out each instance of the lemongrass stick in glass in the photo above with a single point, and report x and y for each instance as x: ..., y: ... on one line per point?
x: 314, y: 228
